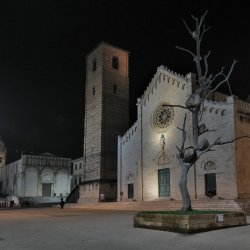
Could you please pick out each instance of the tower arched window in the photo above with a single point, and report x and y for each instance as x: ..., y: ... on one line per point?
x: 93, y: 90
x: 115, y: 62
x: 94, y: 65
x: 115, y: 88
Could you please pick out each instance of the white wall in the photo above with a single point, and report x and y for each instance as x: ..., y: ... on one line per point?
x: 31, y: 182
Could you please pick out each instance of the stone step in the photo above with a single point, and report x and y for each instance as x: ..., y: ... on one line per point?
x: 228, y: 205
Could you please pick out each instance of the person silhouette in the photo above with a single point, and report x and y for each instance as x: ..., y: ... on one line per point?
x: 62, y: 202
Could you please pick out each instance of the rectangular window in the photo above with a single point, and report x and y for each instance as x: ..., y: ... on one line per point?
x: 130, y: 191
x: 75, y: 166
x: 94, y: 90
x: 80, y: 166
x: 115, y: 62
x: 94, y: 65
x: 80, y: 180
x: 115, y: 88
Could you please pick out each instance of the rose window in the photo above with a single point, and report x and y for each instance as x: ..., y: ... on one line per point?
x: 162, y: 117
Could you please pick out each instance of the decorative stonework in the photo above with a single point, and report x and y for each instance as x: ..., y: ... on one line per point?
x: 244, y: 117
x: 130, y: 176
x: 46, y: 178
x: 162, y: 117
x: 208, y: 165
x: 162, y: 159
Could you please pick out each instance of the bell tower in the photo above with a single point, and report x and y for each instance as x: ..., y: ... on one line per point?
x: 106, y: 117
x: 2, y: 153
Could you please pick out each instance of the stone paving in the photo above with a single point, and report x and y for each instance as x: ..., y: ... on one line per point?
x: 73, y: 229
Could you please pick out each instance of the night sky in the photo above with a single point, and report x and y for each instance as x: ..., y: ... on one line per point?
x: 42, y: 59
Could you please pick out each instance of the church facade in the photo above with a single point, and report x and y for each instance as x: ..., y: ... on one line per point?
x: 148, y: 169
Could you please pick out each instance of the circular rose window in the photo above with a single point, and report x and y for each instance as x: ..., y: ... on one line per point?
x: 162, y: 117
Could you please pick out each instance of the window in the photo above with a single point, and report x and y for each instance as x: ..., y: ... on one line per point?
x: 130, y: 191
x: 0, y: 159
x: 94, y: 65
x: 94, y: 90
x: 80, y: 166
x: 75, y: 166
x: 115, y: 88
x: 80, y: 180
x: 115, y: 62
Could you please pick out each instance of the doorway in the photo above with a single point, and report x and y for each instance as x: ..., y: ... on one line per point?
x: 164, y: 182
x: 210, y: 185
x: 46, y: 190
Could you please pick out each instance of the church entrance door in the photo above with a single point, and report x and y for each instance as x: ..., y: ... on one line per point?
x: 210, y: 185
x: 164, y: 182
x: 46, y: 191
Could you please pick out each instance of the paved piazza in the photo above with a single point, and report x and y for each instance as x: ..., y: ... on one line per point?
x: 53, y: 228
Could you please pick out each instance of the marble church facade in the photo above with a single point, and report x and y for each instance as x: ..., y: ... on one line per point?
x: 44, y: 175
x: 147, y: 165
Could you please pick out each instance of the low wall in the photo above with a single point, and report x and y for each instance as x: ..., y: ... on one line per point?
x: 190, y: 223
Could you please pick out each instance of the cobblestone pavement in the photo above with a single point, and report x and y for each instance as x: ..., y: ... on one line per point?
x: 73, y: 229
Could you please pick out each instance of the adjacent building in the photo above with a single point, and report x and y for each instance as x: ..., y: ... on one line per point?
x: 37, y: 176
x: 77, y: 171
x: 2, y: 162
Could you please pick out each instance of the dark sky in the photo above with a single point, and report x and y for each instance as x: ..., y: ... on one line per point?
x: 42, y: 59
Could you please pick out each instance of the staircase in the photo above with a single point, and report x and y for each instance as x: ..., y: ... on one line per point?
x: 73, y: 196
x: 206, y: 204
x: 39, y: 201
x: 244, y: 205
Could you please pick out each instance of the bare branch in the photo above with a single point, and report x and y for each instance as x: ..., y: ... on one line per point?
x: 201, y: 111
x: 209, y: 148
x: 228, y: 84
x: 202, y: 19
x: 186, y: 50
x: 189, y: 31
x: 207, y: 131
x: 182, y: 149
x: 206, y: 64
x: 217, y: 142
x: 231, y: 141
x: 196, y: 20
x: 177, y: 106
x: 204, y: 31
x: 225, y: 80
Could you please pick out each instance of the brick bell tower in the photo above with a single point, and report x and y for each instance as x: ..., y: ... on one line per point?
x: 106, y: 117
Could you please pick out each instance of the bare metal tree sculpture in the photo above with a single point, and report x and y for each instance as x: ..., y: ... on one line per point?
x: 206, y: 85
